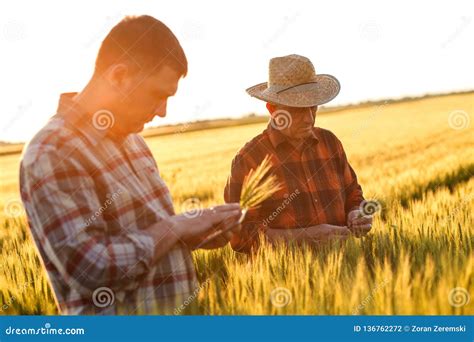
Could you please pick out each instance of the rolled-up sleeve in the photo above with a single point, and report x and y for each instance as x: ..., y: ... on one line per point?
x: 62, y: 205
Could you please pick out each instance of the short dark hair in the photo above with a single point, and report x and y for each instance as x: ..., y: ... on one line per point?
x: 145, y: 43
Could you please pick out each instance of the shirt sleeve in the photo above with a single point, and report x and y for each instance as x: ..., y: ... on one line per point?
x: 352, y: 188
x: 62, y: 205
x: 248, y: 236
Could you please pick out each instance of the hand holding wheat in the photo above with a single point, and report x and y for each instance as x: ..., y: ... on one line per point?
x: 255, y: 189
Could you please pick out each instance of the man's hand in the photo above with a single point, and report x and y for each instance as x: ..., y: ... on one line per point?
x: 222, y: 239
x: 312, y: 235
x: 359, y: 223
x: 326, y: 233
x: 193, y: 230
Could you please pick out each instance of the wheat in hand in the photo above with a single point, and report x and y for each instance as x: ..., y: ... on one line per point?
x: 255, y: 190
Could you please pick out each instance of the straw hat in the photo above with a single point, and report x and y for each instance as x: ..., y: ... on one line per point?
x: 292, y: 81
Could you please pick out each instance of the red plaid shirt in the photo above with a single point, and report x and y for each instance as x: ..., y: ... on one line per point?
x: 318, y: 184
x: 88, y: 199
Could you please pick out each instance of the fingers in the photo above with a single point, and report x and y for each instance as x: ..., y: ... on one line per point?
x: 224, y: 208
x: 361, y: 221
x: 339, y: 231
x: 362, y: 230
x: 218, y: 241
x: 226, y: 215
x: 362, y: 226
x: 354, y: 214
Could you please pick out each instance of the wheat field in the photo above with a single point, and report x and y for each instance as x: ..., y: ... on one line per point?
x: 416, y: 158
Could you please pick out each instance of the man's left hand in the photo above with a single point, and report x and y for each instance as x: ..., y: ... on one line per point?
x: 359, y: 223
x: 221, y: 240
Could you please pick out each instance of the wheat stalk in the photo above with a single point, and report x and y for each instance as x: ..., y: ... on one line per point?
x: 255, y: 190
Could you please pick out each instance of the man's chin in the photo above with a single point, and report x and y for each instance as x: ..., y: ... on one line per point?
x: 139, y: 129
x: 136, y: 128
x: 124, y: 131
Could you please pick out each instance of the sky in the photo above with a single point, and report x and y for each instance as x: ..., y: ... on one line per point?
x: 377, y: 49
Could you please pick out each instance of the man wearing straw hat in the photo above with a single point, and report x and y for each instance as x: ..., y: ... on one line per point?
x: 320, y: 199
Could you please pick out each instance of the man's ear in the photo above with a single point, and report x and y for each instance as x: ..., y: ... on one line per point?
x: 271, y: 108
x: 117, y: 74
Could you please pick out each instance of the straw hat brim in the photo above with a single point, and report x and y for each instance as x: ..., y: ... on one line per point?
x: 322, y: 89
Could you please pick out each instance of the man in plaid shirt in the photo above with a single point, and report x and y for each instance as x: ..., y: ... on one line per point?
x: 100, y: 214
x: 320, y: 198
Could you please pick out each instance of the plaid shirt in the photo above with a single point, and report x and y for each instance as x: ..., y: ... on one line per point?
x: 89, y: 198
x: 318, y: 184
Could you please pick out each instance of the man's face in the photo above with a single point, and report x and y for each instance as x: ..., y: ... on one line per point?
x: 139, y: 97
x: 300, y: 123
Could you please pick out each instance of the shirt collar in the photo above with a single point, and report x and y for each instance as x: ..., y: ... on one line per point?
x: 80, y: 119
x: 277, y: 137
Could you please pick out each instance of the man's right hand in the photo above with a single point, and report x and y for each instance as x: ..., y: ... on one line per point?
x: 193, y: 230
x: 312, y: 235
x: 327, y: 232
